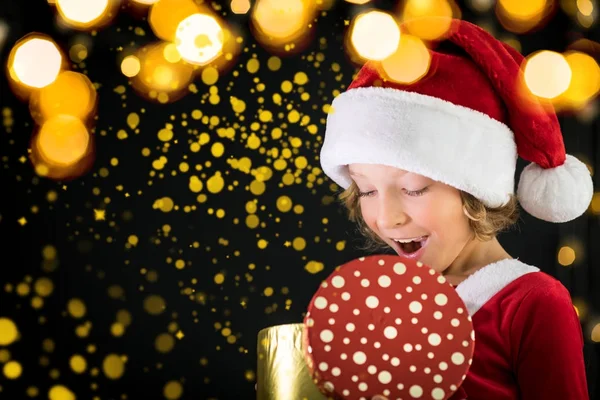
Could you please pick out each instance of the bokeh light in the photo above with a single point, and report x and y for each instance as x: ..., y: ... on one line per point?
x: 375, y: 35
x: 566, y: 256
x: 130, y: 66
x: 165, y: 16
x: 35, y: 62
x: 63, y: 140
x: 409, y: 63
x: 159, y: 79
x: 145, y: 2
x: 281, y: 22
x: 200, y: 39
x: 240, y: 6
x: 84, y: 14
x: 429, y: 19
x: 520, y: 16
x: 547, y: 74
x: 585, y: 81
x: 72, y: 93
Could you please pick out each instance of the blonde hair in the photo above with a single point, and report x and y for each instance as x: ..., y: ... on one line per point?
x: 485, y: 222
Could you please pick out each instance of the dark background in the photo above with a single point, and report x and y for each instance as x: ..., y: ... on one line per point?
x: 95, y: 264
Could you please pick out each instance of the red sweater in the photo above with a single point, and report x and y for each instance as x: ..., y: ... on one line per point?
x: 528, y: 338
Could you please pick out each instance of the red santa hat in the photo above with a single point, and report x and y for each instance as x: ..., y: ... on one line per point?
x: 464, y: 124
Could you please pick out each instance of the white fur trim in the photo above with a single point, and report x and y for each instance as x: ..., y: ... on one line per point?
x: 558, y: 194
x: 484, y: 283
x: 426, y: 135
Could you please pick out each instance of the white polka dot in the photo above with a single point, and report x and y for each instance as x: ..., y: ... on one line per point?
x: 310, y: 322
x: 346, y: 392
x: 465, y: 343
x: 384, y: 377
x: 434, y: 339
x: 384, y: 281
x: 331, y: 321
x: 346, y: 296
x: 415, y: 307
x: 323, y: 366
x: 408, y: 347
x: 438, y: 394
x: 430, y: 355
x: 320, y: 302
x: 441, y: 299
x: 365, y: 283
x: 453, y: 387
x: 372, y: 302
x: 377, y: 345
x: 437, y: 378
x: 441, y: 279
x: 327, y: 347
x: 371, y: 327
x: 458, y: 358
x: 335, y: 371
x: 381, y: 262
x: 455, y: 322
x: 356, y: 311
x: 418, y: 347
x: 372, y: 369
x: 390, y: 332
x: 385, y: 357
x: 343, y: 356
x: 338, y: 282
x: 399, y: 268
x: 357, y: 273
x: 417, y: 280
x: 324, y: 284
x: 346, y: 340
x: 414, y: 320
x: 409, y: 289
x: 424, y: 296
x: 400, y: 386
x: 415, y: 391
x: 334, y: 308
x: 398, y: 321
x: 398, y: 296
x: 326, y: 335
x: 419, y: 264
x: 437, y: 315
x: 424, y: 330
x: 328, y: 386
x: 363, y: 340
x: 427, y: 370
x: 387, y: 310
x: 350, y: 327
x: 459, y: 310
x: 472, y: 335
x: 443, y: 366
x: 450, y: 336
x: 359, y: 357
x: 395, y: 361
x: 362, y: 387
x: 413, y: 368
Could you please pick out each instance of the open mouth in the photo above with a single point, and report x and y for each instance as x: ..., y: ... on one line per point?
x: 410, y: 247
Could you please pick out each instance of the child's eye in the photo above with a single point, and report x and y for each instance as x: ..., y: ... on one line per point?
x: 365, y: 194
x: 417, y: 193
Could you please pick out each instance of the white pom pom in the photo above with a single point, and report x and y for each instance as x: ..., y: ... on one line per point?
x: 558, y: 194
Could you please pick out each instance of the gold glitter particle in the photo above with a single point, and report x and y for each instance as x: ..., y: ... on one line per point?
x: 253, y: 65
x: 274, y: 63
x: 22, y: 221
x: 268, y: 291
x: 210, y: 76
x: 8, y: 332
x: 76, y: 308
x: 12, y: 370
x: 284, y: 204
x: 154, y: 304
x: 49, y: 252
x: 43, y: 287
x: 117, y: 329
x: 133, y: 120
x: 179, y: 264
x: 59, y: 392
x: 299, y: 244
x: 164, y: 343
x: 219, y: 278
x: 314, y: 267
x: 113, y: 366
x: 78, y: 364
x: 262, y: 244
x: 99, y: 215
x: 124, y: 317
x: 250, y: 375
x: 133, y: 240
x: 179, y: 335
x: 165, y: 204
x: 173, y: 390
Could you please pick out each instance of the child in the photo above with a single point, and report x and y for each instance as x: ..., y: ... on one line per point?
x: 429, y: 168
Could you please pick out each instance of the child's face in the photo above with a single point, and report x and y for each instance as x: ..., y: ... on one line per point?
x: 402, y: 205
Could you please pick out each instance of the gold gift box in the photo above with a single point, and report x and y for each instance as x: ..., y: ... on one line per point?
x: 282, y: 373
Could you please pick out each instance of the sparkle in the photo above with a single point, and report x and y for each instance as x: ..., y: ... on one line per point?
x: 22, y: 221
x: 99, y: 215
x: 179, y: 335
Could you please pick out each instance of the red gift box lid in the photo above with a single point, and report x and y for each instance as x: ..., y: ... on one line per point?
x: 387, y: 325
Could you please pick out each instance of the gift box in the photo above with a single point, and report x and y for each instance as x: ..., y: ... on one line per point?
x: 282, y: 373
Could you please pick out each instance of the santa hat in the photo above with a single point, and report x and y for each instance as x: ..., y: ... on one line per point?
x: 464, y: 124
